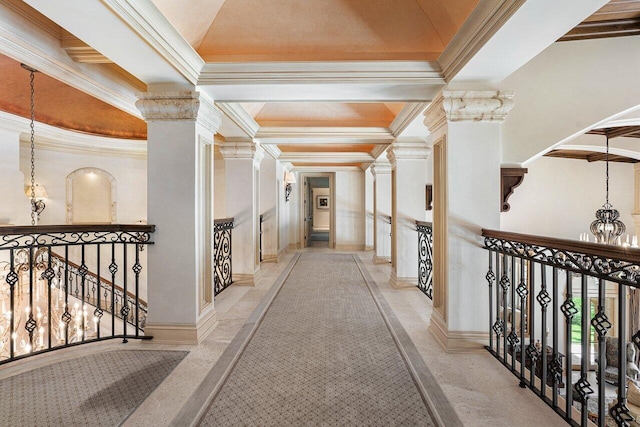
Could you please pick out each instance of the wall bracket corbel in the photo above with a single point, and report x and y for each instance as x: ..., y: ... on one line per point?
x: 510, y: 178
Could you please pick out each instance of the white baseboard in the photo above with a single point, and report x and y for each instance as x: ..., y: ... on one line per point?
x: 381, y: 259
x: 402, y: 282
x: 190, y: 334
x: 457, y: 341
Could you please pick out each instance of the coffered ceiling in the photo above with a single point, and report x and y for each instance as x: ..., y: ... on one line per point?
x: 617, y: 18
x: 327, y: 82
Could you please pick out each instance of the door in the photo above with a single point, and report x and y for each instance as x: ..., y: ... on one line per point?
x: 308, y: 213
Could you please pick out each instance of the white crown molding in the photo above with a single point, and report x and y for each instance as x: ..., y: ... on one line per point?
x: 29, y: 40
x: 323, y: 157
x: 381, y: 167
x: 407, y: 150
x: 422, y: 72
x: 239, y: 116
x: 246, y: 149
x: 468, y: 106
x: 379, y: 150
x: 179, y: 106
x: 483, y: 23
x: 327, y: 169
x: 337, y: 135
x: 408, y: 113
x: 56, y: 139
x: 150, y: 24
x: 272, y: 150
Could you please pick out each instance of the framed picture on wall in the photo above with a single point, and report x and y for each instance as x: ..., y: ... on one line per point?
x: 322, y: 202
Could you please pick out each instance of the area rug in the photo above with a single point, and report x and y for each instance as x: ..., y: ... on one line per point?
x: 322, y: 355
x: 95, y: 390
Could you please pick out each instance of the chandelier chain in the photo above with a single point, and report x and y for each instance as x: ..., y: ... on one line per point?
x: 606, y: 132
x: 33, y: 164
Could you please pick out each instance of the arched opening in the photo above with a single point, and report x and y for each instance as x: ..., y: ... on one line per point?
x: 91, y: 197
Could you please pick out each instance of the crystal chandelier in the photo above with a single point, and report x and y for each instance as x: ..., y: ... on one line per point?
x: 607, y: 228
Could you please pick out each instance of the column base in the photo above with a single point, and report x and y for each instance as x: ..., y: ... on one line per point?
x: 381, y: 259
x: 457, y: 341
x: 184, y: 334
x: 270, y: 258
x: 402, y: 282
x: 368, y: 248
x: 247, y: 279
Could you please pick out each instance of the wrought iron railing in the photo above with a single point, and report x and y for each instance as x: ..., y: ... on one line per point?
x: 425, y: 257
x: 48, y: 304
x: 222, y: 260
x: 111, y: 296
x: 558, y: 321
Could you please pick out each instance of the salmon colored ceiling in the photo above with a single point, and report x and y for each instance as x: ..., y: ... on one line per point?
x: 317, y: 114
x: 296, y: 30
x: 311, y: 164
x: 62, y: 106
x: 327, y: 148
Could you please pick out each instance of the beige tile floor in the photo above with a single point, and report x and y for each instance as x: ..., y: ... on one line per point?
x: 480, y: 389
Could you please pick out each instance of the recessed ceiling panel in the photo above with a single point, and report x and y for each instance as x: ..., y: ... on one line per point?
x: 317, y: 164
x: 60, y: 105
x: 295, y: 30
x: 319, y: 114
x: 323, y: 148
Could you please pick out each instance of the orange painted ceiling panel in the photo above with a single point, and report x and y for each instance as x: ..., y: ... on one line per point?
x: 60, y: 105
x: 327, y: 148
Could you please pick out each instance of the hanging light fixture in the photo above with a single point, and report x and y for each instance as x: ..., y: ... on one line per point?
x: 607, y: 228
x: 34, y: 190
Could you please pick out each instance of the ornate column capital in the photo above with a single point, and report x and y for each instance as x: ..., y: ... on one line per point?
x: 381, y: 167
x: 245, y: 149
x: 180, y: 106
x: 468, y: 106
x: 407, y: 150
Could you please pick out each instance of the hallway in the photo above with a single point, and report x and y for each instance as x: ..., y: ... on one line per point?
x: 323, y: 343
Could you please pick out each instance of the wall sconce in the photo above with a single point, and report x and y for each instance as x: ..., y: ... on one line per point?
x: 289, y: 178
x: 37, y: 203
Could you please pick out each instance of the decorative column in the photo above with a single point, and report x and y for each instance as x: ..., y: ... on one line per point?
x: 408, y: 180
x: 16, y: 207
x: 381, y: 171
x: 180, y: 128
x: 269, y: 204
x: 242, y: 175
x: 465, y: 132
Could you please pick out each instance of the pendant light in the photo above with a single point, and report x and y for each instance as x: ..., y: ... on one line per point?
x: 607, y: 228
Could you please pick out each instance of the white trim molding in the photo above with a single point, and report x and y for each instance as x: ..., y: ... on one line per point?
x: 178, y: 106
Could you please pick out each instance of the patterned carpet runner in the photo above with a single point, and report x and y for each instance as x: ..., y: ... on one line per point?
x: 322, y: 355
x: 95, y: 390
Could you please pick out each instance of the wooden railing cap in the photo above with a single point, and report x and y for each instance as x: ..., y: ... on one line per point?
x: 74, y: 228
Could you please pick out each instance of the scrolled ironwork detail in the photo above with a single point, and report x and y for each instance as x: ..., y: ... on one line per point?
x: 19, y: 241
x: 569, y: 308
x: 31, y: 325
x: 498, y: 327
x: 616, y: 270
x: 514, y: 340
x: 555, y: 367
x: 532, y: 352
x: 601, y: 323
x: 505, y: 282
x: 620, y: 414
x: 222, y: 255
x: 543, y: 298
x: 12, y: 278
x: 491, y: 277
x: 425, y: 259
x: 582, y: 389
x: 636, y: 339
x: 522, y: 290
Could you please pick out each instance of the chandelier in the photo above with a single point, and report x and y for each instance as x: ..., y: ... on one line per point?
x: 607, y: 228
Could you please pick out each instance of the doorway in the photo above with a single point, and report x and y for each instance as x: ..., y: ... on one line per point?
x: 318, y: 211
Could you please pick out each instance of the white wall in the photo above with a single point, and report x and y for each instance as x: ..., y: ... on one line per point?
x: 219, y: 185
x: 559, y: 197
x: 268, y: 207
x: 52, y: 168
x: 350, y: 209
x: 321, y: 217
x: 368, y: 194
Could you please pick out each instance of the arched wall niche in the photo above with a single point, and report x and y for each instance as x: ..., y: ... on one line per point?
x: 91, y: 197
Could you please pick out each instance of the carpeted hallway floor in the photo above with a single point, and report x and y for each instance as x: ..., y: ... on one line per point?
x: 322, y: 355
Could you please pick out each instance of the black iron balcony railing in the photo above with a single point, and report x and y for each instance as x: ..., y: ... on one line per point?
x: 558, y: 320
x: 49, y: 301
x: 425, y: 257
x: 222, y: 254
